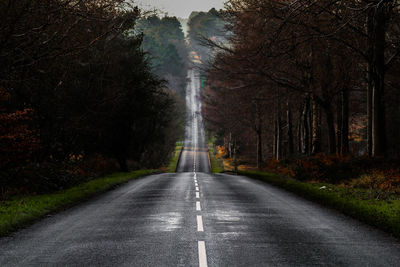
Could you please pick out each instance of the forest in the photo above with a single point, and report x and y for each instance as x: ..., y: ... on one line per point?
x: 164, y: 41
x: 79, y: 95
x: 301, y: 84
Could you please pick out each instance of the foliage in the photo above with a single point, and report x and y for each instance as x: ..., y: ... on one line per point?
x: 275, y: 166
x: 50, y: 176
x: 296, y: 79
x: 216, y: 163
x: 328, y: 168
x: 74, y: 81
x: 21, y: 211
x: 164, y: 41
x: 18, y: 139
x: 381, y: 178
x: 205, y: 25
x: 383, y: 182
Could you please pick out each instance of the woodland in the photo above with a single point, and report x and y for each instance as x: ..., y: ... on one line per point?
x: 311, y: 87
x: 79, y: 95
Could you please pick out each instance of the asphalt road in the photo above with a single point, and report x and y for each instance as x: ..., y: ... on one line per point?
x: 194, y: 156
x: 195, y: 218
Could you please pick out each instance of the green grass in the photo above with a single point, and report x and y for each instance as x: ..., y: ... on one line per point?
x: 216, y: 164
x: 21, y: 211
x: 175, y: 158
x: 357, y: 203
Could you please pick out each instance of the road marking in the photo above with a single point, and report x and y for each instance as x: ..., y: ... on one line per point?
x: 197, y: 195
x: 197, y: 188
x: 198, y: 208
x: 200, y: 223
x: 196, y: 184
x: 202, y: 254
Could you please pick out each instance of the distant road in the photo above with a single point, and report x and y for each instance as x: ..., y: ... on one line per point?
x: 195, y: 218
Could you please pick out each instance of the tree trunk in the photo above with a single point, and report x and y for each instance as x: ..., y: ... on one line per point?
x: 316, y: 127
x: 289, y: 130
x: 230, y: 145
x: 274, y: 148
x: 259, y: 149
x: 369, y: 112
x: 380, y: 15
x: 370, y: 27
x: 331, y: 128
x: 234, y: 155
x: 306, y: 127
x: 339, y: 131
x: 279, y: 138
x: 299, y: 136
x: 345, y: 122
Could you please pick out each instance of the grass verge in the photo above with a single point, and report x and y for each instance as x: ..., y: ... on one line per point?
x: 356, y: 203
x: 216, y: 164
x: 175, y: 157
x: 21, y: 211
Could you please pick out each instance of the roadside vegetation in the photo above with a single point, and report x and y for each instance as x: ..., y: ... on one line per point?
x: 80, y: 96
x: 365, y: 189
x: 310, y: 92
x: 19, y: 211
x: 215, y: 161
x: 371, y: 206
x: 173, y: 164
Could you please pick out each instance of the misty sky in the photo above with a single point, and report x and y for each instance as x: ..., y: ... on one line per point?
x: 181, y: 8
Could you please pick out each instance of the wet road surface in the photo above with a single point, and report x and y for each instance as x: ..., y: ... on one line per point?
x: 194, y: 218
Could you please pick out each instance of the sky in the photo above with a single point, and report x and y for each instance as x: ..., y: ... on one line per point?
x: 181, y: 8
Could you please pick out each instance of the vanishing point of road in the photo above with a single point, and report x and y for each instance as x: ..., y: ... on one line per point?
x: 194, y: 218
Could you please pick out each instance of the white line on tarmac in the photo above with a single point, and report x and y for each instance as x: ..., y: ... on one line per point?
x: 198, y: 208
x: 200, y: 224
x: 197, y: 195
x: 202, y: 254
x: 197, y: 188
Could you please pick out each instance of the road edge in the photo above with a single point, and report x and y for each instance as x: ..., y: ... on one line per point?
x: 60, y: 201
x: 354, y: 208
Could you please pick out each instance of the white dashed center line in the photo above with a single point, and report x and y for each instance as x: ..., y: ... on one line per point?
x: 198, y: 208
x: 202, y: 254
x: 197, y: 195
x: 197, y: 188
x: 200, y: 223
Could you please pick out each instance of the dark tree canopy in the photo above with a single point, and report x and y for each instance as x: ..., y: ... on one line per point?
x: 75, y: 83
x: 164, y: 41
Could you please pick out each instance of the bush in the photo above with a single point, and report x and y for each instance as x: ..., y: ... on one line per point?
x: 332, y: 169
x: 384, y: 182
x: 53, y: 176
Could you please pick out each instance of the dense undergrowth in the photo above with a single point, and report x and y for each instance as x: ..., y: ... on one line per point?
x: 51, y: 176
x: 382, y: 177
